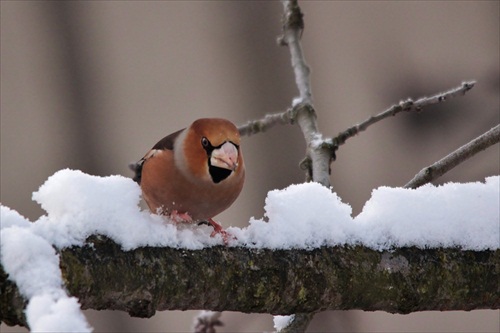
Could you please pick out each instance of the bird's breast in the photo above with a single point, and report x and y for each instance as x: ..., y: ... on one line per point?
x: 165, y: 187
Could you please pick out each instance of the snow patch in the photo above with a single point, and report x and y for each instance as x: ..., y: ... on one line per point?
x: 79, y: 205
x: 10, y: 217
x: 300, y: 216
x: 296, y: 101
x: 281, y: 322
x: 25, y: 256
x: 310, y: 215
x: 33, y: 265
x: 450, y: 215
x: 46, y: 313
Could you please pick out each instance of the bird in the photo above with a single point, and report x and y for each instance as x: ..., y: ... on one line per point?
x: 193, y: 174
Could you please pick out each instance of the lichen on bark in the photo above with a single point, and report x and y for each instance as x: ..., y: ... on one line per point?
x: 145, y: 280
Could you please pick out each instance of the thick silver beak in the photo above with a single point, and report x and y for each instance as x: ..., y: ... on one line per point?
x: 225, y: 157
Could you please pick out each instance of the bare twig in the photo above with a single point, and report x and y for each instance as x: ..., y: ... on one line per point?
x: 289, y: 116
x: 428, y: 174
x: 324, y: 149
x: 320, y: 152
x: 206, y: 321
x: 293, y: 25
x: 269, y: 120
x: 409, y: 105
x: 318, y: 156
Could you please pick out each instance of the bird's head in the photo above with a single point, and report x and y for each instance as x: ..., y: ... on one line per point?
x: 210, y: 150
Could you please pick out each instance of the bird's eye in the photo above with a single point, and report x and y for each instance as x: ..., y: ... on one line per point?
x: 204, y: 142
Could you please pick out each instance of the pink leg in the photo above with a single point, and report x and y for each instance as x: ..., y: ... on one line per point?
x: 219, y: 230
x: 177, y: 217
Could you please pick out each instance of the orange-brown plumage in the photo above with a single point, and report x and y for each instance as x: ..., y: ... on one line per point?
x: 197, y: 171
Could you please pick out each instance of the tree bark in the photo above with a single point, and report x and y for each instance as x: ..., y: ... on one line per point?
x: 283, y: 282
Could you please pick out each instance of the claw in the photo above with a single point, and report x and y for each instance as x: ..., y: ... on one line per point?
x: 226, y: 236
x: 177, y: 218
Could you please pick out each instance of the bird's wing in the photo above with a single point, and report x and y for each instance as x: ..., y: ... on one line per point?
x: 167, y: 143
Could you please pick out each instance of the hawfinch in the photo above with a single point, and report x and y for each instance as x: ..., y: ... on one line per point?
x: 195, y: 173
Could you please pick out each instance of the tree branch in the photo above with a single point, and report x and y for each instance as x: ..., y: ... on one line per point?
x: 317, y: 156
x: 269, y: 121
x: 430, y: 173
x: 325, y: 148
x: 288, y: 117
x: 293, y: 25
x: 145, y: 280
x: 409, y: 105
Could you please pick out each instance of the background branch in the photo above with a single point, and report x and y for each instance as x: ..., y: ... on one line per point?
x: 325, y: 149
x: 288, y: 117
x: 269, y: 121
x: 428, y: 174
x: 293, y: 25
x: 318, y: 169
x: 408, y: 106
x: 145, y: 280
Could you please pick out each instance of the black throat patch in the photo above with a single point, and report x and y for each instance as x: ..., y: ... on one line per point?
x: 218, y: 174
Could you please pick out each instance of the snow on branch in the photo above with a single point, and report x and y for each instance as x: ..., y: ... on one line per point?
x: 308, y: 254
x: 428, y: 174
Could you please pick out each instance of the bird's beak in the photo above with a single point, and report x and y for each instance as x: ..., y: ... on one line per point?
x: 225, y: 157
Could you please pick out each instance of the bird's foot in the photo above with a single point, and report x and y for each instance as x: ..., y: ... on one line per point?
x: 226, y: 236
x: 177, y: 217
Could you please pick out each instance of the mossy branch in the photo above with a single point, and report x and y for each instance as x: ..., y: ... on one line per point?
x: 148, y: 279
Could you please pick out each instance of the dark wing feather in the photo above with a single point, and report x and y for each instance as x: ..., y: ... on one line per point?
x: 167, y: 143
x: 137, y: 169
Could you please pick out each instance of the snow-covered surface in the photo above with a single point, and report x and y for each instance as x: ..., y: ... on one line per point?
x: 300, y: 216
x: 310, y: 215
x: 33, y: 265
x: 281, y: 322
x: 79, y: 205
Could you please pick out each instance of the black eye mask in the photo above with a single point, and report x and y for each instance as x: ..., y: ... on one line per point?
x: 217, y: 174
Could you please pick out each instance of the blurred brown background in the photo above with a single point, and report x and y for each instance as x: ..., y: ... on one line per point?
x: 93, y: 85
